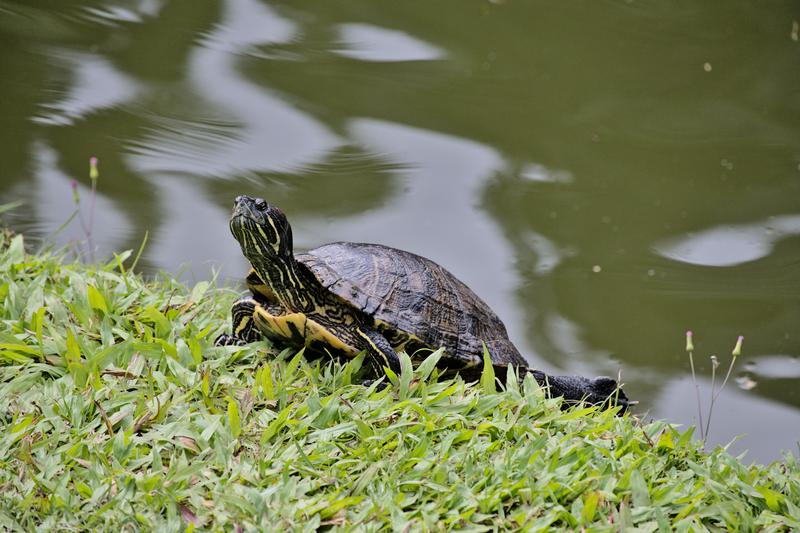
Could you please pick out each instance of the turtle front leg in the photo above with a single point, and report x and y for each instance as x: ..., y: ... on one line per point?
x: 243, y: 324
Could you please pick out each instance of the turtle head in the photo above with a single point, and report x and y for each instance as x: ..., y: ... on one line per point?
x: 261, y: 229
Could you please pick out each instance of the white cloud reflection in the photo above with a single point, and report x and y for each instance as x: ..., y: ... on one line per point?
x: 729, y: 245
x: 373, y: 43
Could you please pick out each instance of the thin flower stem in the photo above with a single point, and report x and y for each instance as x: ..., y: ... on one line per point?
x: 697, y: 393
x: 737, y: 351
x: 714, y: 365
x: 727, y: 375
x: 85, y: 232
x: 91, y: 219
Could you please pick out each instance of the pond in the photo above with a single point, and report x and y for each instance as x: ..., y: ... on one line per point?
x: 606, y: 175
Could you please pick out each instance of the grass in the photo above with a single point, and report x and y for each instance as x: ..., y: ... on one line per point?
x: 117, y: 413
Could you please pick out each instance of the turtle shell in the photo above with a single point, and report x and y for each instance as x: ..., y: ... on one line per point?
x: 413, y: 301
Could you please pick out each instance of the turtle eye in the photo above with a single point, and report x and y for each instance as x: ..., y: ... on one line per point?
x: 261, y: 204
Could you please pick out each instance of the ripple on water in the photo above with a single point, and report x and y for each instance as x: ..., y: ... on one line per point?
x: 542, y: 174
x: 255, y: 129
x: 135, y: 12
x: 373, y: 43
x: 95, y: 84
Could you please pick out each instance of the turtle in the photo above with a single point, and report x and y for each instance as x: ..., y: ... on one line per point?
x: 345, y: 298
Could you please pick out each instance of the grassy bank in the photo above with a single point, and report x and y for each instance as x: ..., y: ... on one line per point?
x: 117, y: 413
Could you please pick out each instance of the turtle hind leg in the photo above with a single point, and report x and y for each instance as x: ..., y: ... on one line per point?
x: 379, y: 351
x: 243, y: 324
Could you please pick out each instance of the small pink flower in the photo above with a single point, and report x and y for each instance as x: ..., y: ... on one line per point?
x: 93, y: 172
x: 75, y: 197
x: 689, y: 343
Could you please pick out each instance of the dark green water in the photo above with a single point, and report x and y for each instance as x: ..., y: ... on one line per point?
x: 605, y: 174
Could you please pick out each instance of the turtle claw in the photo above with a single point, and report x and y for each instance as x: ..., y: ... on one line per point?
x: 228, y: 340
x: 379, y: 384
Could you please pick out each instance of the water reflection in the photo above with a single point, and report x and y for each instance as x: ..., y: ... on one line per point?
x: 250, y: 129
x: 246, y: 24
x: 95, y: 85
x: 371, y: 43
x: 542, y: 254
x: 730, y: 245
x: 115, y: 12
x: 433, y: 213
x: 776, y: 366
x: 739, y: 420
x: 540, y: 173
x: 190, y: 240
x: 49, y: 202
